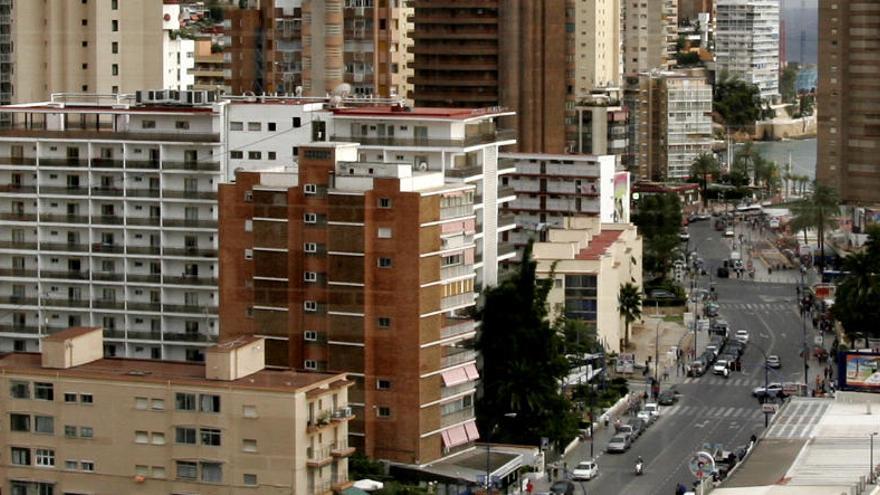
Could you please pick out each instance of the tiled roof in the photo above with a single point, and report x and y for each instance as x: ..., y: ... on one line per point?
x: 599, y: 245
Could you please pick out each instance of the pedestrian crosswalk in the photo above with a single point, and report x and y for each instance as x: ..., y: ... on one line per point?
x: 730, y: 382
x: 716, y: 412
x: 775, y: 306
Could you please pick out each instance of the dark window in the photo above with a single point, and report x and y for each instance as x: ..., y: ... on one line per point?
x: 185, y: 402
x: 44, y: 424
x: 209, y: 403
x: 297, y: 122
x: 19, y: 422
x: 210, y: 436
x: 44, y: 391
x: 187, y: 470
x: 21, y: 457
x: 384, y: 322
x: 270, y: 126
x: 86, y: 398
x: 185, y: 435
x: 69, y: 398
x: 20, y: 390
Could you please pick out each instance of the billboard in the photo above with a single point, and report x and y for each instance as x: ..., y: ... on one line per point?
x: 621, y: 197
x: 859, y: 370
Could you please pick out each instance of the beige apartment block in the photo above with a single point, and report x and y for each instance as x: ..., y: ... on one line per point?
x: 589, y: 261
x: 596, y: 45
x: 80, y: 423
x: 649, y: 27
x: 98, y: 46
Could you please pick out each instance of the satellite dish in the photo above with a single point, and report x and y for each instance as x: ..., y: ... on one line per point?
x: 343, y: 90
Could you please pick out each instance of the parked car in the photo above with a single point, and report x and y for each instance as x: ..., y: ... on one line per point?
x: 742, y: 336
x: 585, y: 471
x: 646, y: 416
x: 684, y: 236
x: 710, y: 310
x: 772, y: 390
x: 697, y: 367
x: 562, y: 487
x: 653, y: 409
x: 713, y: 348
x: 773, y: 361
x: 629, y: 431
x: 660, y: 294
x: 721, y: 366
x: 729, y: 233
x: 638, y: 425
x: 736, y: 347
x: 667, y: 398
x: 618, y: 443
x: 708, y: 357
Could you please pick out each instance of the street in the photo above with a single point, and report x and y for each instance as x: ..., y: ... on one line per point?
x: 712, y: 409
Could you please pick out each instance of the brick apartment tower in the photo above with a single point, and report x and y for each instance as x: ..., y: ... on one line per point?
x: 849, y: 99
x: 364, y: 268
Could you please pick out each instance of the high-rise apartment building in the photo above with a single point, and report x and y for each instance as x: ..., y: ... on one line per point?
x: 594, y: 41
x: 99, y: 46
x: 208, y: 69
x: 347, y: 260
x: 849, y: 100
x: 78, y: 421
x: 649, y: 34
x: 689, y: 10
x: 671, y: 123
x: 281, y: 45
x: 747, y: 42
x: 600, y: 125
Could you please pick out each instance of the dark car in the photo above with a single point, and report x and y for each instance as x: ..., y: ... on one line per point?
x: 723, y: 272
x: 637, y: 425
x: 562, y: 487
x: 667, y: 398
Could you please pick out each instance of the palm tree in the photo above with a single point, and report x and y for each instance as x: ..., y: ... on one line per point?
x: 818, y: 211
x: 629, y: 304
x: 704, y: 166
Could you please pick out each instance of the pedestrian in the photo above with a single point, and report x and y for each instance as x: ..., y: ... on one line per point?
x: 530, y: 487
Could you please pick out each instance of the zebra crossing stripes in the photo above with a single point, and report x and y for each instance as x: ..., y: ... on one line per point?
x: 759, y: 306
x: 798, y: 418
x: 730, y: 382
x: 719, y: 412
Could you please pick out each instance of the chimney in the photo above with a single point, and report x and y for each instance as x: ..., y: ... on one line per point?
x: 237, y: 358
x: 73, y: 347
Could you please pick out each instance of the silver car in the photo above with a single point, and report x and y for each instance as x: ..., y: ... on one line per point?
x: 618, y: 443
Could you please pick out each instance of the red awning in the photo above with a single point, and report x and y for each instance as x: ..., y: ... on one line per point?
x: 455, y: 377
x: 471, y: 429
x: 455, y: 436
x: 471, y: 371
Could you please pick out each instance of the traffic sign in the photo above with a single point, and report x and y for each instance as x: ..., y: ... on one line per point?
x: 769, y: 408
x: 702, y: 464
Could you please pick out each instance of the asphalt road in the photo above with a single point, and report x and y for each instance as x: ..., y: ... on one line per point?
x: 712, y: 409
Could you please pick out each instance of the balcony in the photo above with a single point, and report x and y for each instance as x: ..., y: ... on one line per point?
x: 190, y: 280
x: 65, y: 191
x: 506, y: 249
x: 459, y: 211
x: 54, y: 162
x: 454, y: 390
x: 108, y: 220
x: 456, y: 301
x: 506, y: 220
x: 65, y: 275
x: 464, y: 172
x: 19, y: 301
x: 186, y: 222
x: 456, y: 271
x: 142, y: 193
x: 193, y: 166
x: 504, y: 192
x: 106, y: 163
x: 191, y: 252
x: 341, y: 449
x: 147, y: 221
x: 342, y: 414
x: 18, y: 217
x: 108, y: 191
x: 318, y: 456
x: 457, y: 327
x: 108, y: 276
x: 55, y: 218
x: 108, y: 248
x: 64, y: 247
x: 17, y: 245
x: 488, y: 138
x: 144, y: 306
x: 190, y: 309
x: 146, y: 279
x: 177, y: 194
x: 20, y: 329
x: 108, y: 304
x: 17, y: 272
x: 143, y: 249
x: 186, y: 337
x: 17, y: 189
x: 142, y: 164
x: 66, y: 303
x: 460, y: 357
x: 456, y: 417
x: 178, y: 137
x: 17, y: 160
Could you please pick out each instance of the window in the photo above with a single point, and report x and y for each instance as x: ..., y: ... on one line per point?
x: 383, y: 412
x: 270, y: 155
x: 236, y: 155
x: 44, y: 457
x: 236, y: 126
x: 249, y: 445
x: 310, y: 247
x: 148, y: 124
x: 310, y: 218
x: 141, y: 403
x: 310, y: 364
x: 270, y: 126
x: 141, y: 437
x: 86, y: 432
x: 310, y: 306
x: 187, y: 470
x: 21, y: 456
x: 384, y: 322
x: 250, y: 480
x: 114, y: 25
x: 114, y: 47
x: 114, y: 4
x: 249, y: 411
x: 212, y: 472
x: 44, y: 424
x: 254, y: 155
x: 310, y: 335
x: 87, y: 466
x: 209, y: 403
x: 185, y: 402
x: 384, y: 202
x: 383, y: 384
x: 69, y: 398
x: 157, y: 404
x: 310, y: 277
x: 86, y: 399
x: 156, y: 438
x: 384, y: 233
x: 297, y: 122
x: 44, y: 391
x: 20, y: 390
x: 19, y: 422
x: 84, y: 22
x: 310, y: 188
x: 181, y: 124
x: 384, y: 262
x: 210, y: 436
x: 185, y: 435
x: 70, y: 431
x: 71, y: 464
x: 255, y: 126
x: 158, y: 471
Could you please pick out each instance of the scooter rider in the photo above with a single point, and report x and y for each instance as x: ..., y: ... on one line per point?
x: 639, y: 465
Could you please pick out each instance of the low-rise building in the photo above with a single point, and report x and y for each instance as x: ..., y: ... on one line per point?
x: 79, y: 422
x: 589, y: 262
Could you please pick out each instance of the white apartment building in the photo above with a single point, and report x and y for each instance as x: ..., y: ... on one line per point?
x: 747, y: 42
x: 462, y: 143
x: 550, y: 188
x: 178, y: 52
x: 596, y: 45
x: 688, y: 119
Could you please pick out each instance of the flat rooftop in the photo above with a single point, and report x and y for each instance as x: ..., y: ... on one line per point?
x: 172, y: 372
x: 423, y: 112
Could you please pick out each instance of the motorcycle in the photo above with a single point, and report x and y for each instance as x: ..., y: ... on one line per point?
x: 639, y: 468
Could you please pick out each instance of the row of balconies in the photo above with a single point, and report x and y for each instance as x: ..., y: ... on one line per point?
x: 179, y: 137
x: 100, y: 248
x: 21, y: 301
x: 86, y: 276
x: 487, y: 138
x: 112, y: 163
x: 110, y: 220
x: 104, y: 192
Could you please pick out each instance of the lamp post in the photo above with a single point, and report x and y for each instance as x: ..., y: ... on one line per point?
x: 488, y: 452
x: 871, y: 477
x: 766, y: 381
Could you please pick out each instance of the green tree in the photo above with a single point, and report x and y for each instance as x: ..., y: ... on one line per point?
x: 658, y: 217
x: 523, y: 363
x: 629, y: 305
x: 579, y: 337
x: 787, y: 82
x: 738, y: 102
x: 818, y: 211
x: 704, y: 166
x: 855, y: 303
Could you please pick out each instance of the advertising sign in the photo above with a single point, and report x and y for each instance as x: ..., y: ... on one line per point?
x: 860, y: 370
x: 621, y: 197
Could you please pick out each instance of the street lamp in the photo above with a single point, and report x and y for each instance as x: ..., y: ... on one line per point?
x: 766, y: 381
x: 871, y: 477
x: 489, y: 450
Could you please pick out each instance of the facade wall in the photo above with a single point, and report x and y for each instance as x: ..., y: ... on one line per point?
x: 849, y: 100
x: 747, y: 42
x: 644, y: 37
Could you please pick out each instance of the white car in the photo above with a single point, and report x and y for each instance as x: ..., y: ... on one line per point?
x: 729, y: 233
x: 646, y: 416
x: 720, y: 367
x: 742, y: 336
x: 653, y: 409
x: 585, y: 471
